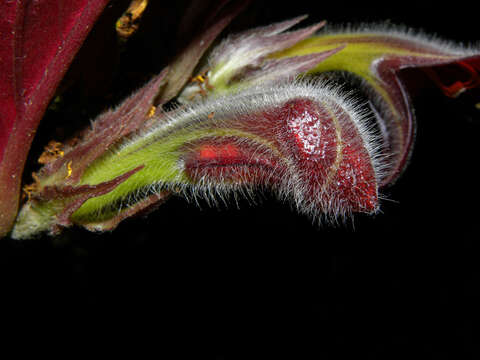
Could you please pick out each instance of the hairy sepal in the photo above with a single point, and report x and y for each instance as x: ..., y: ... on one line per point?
x: 58, y: 189
x: 242, y: 60
x: 186, y: 61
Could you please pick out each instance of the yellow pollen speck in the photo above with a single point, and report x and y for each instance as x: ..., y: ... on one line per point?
x: 28, y: 190
x: 129, y: 22
x: 151, y: 111
x: 69, y: 169
x: 198, y: 78
x: 52, y: 151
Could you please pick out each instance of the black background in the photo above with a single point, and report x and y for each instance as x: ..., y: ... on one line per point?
x: 262, y: 281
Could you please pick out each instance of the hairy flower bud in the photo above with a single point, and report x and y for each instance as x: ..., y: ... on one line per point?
x: 305, y: 141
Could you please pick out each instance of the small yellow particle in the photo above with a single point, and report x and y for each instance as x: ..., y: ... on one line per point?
x: 198, y: 78
x: 202, y: 83
x: 477, y: 106
x: 52, y: 151
x: 69, y: 169
x: 28, y: 190
x: 151, y: 112
x: 128, y: 23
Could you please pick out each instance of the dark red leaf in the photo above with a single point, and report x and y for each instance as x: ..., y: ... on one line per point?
x: 38, y: 41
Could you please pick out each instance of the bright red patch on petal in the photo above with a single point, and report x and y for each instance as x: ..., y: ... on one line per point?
x: 224, y: 160
x: 220, y: 152
x: 207, y: 152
